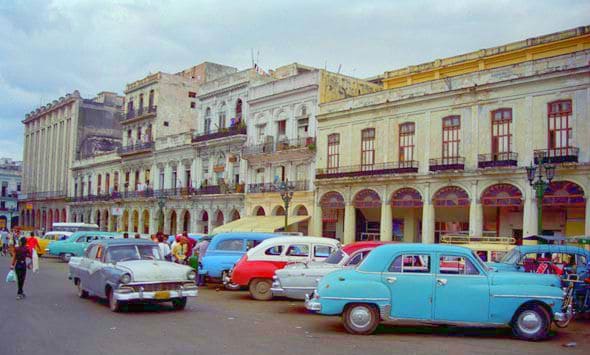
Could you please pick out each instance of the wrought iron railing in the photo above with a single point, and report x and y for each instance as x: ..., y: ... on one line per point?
x: 219, y: 133
x: 301, y: 185
x: 400, y: 167
x: 41, y: 195
x: 497, y: 160
x: 141, y: 111
x: 447, y: 163
x: 136, y: 147
x: 282, y: 145
x: 557, y: 155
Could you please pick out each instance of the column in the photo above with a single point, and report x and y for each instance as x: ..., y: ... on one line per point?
x: 166, y: 227
x: 194, y: 178
x: 587, y: 219
x: 529, y: 223
x: 167, y: 177
x: 349, y: 224
x: 316, y: 222
x: 475, y: 218
x: 210, y: 222
x: 428, y: 217
x: 386, y: 222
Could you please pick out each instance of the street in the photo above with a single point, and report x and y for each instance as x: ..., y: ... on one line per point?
x: 53, y: 320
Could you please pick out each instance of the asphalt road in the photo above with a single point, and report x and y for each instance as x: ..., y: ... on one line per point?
x: 53, y: 320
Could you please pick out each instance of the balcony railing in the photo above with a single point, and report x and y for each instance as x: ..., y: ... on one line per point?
x: 283, y: 145
x: 557, y: 155
x: 496, y: 160
x: 402, y: 167
x: 42, y: 195
x: 141, y: 111
x: 8, y: 209
x: 302, y: 185
x: 134, y: 148
x: 219, y: 133
x: 447, y: 163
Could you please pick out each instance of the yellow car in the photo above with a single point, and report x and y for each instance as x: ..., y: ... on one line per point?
x: 488, y: 248
x: 48, y: 238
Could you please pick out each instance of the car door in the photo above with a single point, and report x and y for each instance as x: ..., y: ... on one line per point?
x: 84, y: 267
x: 411, y: 283
x: 95, y: 265
x: 297, y: 252
x: 462, y: 290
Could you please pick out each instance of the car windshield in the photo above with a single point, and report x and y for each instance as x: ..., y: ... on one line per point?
x: 132, y: 252
x: 479, y: 261
x: 511, y: 257
x: 335, y: 257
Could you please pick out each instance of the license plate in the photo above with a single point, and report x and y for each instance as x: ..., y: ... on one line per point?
x: 162, y: 295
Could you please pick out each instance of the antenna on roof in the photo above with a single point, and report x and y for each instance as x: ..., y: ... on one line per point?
x: 252, y: 56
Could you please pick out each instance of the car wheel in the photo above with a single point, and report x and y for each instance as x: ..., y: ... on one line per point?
x: 114, y: 305
x: 531, y: 322
x: 361, y: 319
x: 231, y: 286
x: 66, y: 257
x: 260, y: 289
x: 81, y: 292
x: 179, y: 303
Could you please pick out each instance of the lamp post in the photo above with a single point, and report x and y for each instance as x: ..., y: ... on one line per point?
x: 540, y: 176
x: 286, y: 191
x: 161, y: 204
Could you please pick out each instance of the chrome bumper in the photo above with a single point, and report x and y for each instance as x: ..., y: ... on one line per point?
x: 226, y: 279
x: 311, y: 303
x: 124, y: 295
x: 564, y: 315
x: 276, y: 288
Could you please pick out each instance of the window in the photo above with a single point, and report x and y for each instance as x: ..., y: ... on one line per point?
x: 161, y: 178
x: 166, y: 124
x: 99, y: 251
x: 501, y: 133
x: 89, y: 186
x: 126, y: 180
x: 205, y: 164
x: 298, y: 250
x: 116, y: 182
x: 130, y: 106
x: 260, y: 130
x: 192, y: 94
x: 333, y: 153
x: 456, y: 265
x: 367, y: 148
x: 136, y: 182
x: 174, y: 177
x: 151, y: 99
x: 187, y: 178
x: 406, y: 141
x: 252, y: 243
x: 357, y: 258
x: 107, y: 183
x: 129, y: 135
x: 411, y: 263
x: 275, y: 250
x: 239, y: 110
x: 560, y: 130
x: 322, y: 251
x: 450, y: 138
x: 281, y: 128
x: 146, y: 177
x: 207, y: 127
x: 193, y: 104
x: 138, y: 133
x: 91, y: 252
x: 98, y: 184
x: 231, y: 244
x: 222, y: 115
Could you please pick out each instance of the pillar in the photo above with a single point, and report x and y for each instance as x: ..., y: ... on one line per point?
x: 386, y: 223
x: 349, y: 224
x: 529, y: 223
x: 410, y: 226
x: 315, y: 228
x: 428, y: 217
x: 475, y: 218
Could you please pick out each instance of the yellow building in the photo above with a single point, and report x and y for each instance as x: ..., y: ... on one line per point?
x: 443, y: 148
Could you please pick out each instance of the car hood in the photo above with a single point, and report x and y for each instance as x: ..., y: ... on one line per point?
x: 154, y: 270
x: 524, y: 278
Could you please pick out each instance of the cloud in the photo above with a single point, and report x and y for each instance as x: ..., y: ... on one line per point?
x: 48, y: 48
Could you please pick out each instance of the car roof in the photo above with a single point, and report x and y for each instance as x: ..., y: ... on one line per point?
x: 301, y: 239
x: 352, y: 247
x: 133, y: 241
x: 249, y: 235
x: 81, y: 233
x: 553, y: 248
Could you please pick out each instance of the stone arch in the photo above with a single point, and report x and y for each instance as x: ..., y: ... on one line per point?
x: 49, y: 220
x: 64, y: 215
x: 278, y: 210
x: 135, y: 221
x: 145, y: 223
x: 125, y: 224
x: 451, y: 196
x: 564, y: 193
x: 407, y: 197
x: 332, y: 199
x: 367, y: 198
x: 300, y: 210
x: 173, y: 220
x: 234, y: 215
x: 186, y: 220
x: 501, y: 195
x: 218, y: 218
x: 258, y: 211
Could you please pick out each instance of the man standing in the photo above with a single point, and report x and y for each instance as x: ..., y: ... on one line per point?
x: 201, y: 250
x: 19, y: 265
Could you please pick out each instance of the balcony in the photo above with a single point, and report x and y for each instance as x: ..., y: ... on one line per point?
x: 287, y: 149
x: 302, y: 185
x: 390, y: 168
x: 220, y: 133
x: 141, y: 112
x: 142, y: 147
x: 557, y: 155
x: 9, y: 209
x: 448, y: 163
x: 497, y: 160
x: 42, y: 195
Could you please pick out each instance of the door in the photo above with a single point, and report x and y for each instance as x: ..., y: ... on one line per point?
x: 84, y: 267
x: 462, y: 292
x: 411, y: 283
x: 95, y: 275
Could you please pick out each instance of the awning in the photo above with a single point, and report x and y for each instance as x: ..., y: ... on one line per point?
x: 267, y: 224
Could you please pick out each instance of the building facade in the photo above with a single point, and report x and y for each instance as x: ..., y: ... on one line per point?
x: 10, y: 182
x: 443, y: 149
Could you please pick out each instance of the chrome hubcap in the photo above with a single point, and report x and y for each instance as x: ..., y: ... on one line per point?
x: 262, y: 287
x: 530, y: 322
x: 360, y: 317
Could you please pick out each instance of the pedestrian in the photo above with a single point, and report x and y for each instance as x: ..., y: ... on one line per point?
x: 137, y: 236
x: 11, y: 244
x: 164, y: 247
x: 179, y: 250
x: 4, y: 241
x: 19, y: 265
x: 126, y: 235
x: 33, y: 246
x: 200, y: 251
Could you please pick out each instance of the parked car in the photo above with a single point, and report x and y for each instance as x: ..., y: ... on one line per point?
x: 75, y: 244
x: 546, y: 258
x: 488, y: 248
x: 299, y: 279
x: 258, y: 266
x: 438, y: 284
x: 50, y: 237
x: 128, y: 270
x: 225, y: 249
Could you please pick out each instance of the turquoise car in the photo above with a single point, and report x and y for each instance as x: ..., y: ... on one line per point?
x: 440, y: 285
x: 75, y: 244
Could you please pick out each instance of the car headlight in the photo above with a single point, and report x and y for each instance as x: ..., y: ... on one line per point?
x: 125, y: 279
x: 191, y: 275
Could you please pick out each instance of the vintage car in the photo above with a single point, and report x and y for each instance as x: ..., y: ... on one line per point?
x: 438, y: 284
x: 488, y: 248
x: 126, y: 270
x: 50, y: 237
x: 258, y: 266
x: 75, y: 244
x: 546, y: 259
x: 299, y: 279
x: 225, y: 249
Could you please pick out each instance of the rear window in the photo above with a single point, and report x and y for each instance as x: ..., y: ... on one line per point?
x: 298, y: 250
x: 252, y: 243
x: 416, y: 263
x: 231, y: 245
x: 274, y: 250
x: 322, y: 251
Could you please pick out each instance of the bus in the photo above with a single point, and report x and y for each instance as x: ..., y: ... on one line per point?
x: 74, y: 227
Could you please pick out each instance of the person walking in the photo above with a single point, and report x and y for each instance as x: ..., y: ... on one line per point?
x: 19, y: 265
x: 163, y: 246
x: 4, y: 241
x: 179, y: 250
x: 200, y: 250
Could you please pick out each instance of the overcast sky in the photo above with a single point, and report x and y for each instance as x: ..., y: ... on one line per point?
x: 49, y: 48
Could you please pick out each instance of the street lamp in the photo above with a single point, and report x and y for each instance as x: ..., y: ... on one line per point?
x: 543, y: 173
x: 161, y: 204
x: 286, y: 192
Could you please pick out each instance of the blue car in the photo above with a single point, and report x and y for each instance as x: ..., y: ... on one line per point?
x: 545, y: 258
x: 224, y: 251
x: 438, y: 284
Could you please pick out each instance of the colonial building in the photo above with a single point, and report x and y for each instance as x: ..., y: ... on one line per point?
x: 443, y: 149
x: 10, y: 182
x: 56, y: 135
